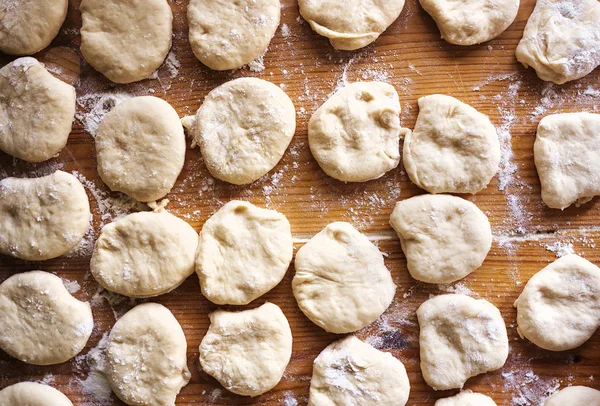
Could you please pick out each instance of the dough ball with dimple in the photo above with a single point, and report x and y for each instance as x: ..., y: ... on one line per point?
x: 126, y: 40
x: 574, y: 396
x: 42, y: 218
x: 36, y: 111
x: 341, y: 282
x: 453, y: 148
x: 228, y: 34
x: 243, y: 128
x: 466, y: 398
x: 444, y: 238
x: 243, y: 252
x: 352, y: 373
x: 460, y: 337
x: 140, y: 146
x: 32, y: 394
x: 40, y: 322
x: 247, y: 351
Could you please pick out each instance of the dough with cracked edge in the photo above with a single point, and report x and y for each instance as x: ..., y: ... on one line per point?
x: 466, y: 398
x: 243, y: 252
x: 32, y: 394
x: 453, y: 148
x: 226, y: 34
x: 42, y: 218
x: 247, y: 351
x: 575, y: 396
x: 443, y: 237
x: 341, y: 282
x: 460, y: 337
x: 352, y: 373
x: 561, y: 40
x: 36, y: 111
x: 40, y: 322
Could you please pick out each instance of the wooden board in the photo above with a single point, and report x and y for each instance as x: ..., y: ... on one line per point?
x: 410, y: 56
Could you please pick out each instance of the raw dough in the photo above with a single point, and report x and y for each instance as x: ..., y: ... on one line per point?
x: 247, y: 351
x: 36, y: 111
x: 561, y: 40
x: 444, y: 237
x: 559, y: 308
x: 567, y: 158
x: 350, y: 372
x: 355, y: 135
x: 32, y: 394
x: 341, y: 283
x: 243, y: 128
x: 126, y: 40
x: 466, y: 398
x: 453, y: 148
x: 575, y: 396
x: 42, y: 218
x: 244, y: 252
x: 460, y: 337
x: 41, y: 323
x: 350, y: 24
x: 141, y: 148
x: 228, y: 34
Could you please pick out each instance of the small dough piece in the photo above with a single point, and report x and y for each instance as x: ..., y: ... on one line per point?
x: 341, y: 282
x: 42, y: 218
x: 140, y: 146
x: 559, y: 308
x: 466, y: 398
x: 460, y: 337
x: 126, y: 40
x: 453, y: 148
x: 561, y: 40
x: 243, y: 253
x: 146, y: 362
x: 36, y: 111
x: 243, y: 128
x: 350, y: 24
x: 32, y: 394
x: 352, y: 373
x: 444, y: 237
x: 355, y: 135
x: 247, y: 351
x: 41, y: 323
x: 228, y: 34
x: 575, y: 396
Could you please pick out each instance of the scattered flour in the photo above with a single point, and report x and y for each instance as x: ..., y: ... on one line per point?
x: 258, y: 65
x: 72, y: 286
x: 94, y: 106
x: 289, y: 399
x: 285, y: 31
x: 560, y: 249
x: 95, y: 384
x: 528, y: 388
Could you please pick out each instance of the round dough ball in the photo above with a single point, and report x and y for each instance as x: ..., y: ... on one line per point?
x: 341, y: 283
x: 453, y: 148
x: 41, y: 323
x: 243, y: 253
x: 126, y: 40
x: 247, y: 351
x: 444, y: 238
x: 575, y: 396
x: 36, y: 111
x: 227, y: 35
x: 42, y: 218
x: 140, y: 146
x: 466, y: 398
x: 32, y: 394
x: 559, y: 308
x: 146, y: 361
x: 243, y: 128
x: 351, y: 372
x: 460, y: 337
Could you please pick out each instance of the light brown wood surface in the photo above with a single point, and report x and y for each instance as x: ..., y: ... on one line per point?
x: 411, y: 56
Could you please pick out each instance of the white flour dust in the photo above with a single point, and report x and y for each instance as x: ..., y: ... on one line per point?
x: 92, y: 107
x: 95, y: 384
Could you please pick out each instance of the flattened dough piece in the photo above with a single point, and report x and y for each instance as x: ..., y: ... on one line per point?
x: 460, y: 337
x: 352, y: 373
x: 40, y: 322
x: 575, y: 396
x: 341, y: 282
x: 32, y: 394
x: 42, y: 218
x: 466, y: 398
x: 247, y: 351
x: 453, y: 148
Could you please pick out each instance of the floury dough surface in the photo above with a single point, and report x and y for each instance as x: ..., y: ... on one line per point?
x: 574, y: 396
x: 32, y: 394
x: 466, y: 398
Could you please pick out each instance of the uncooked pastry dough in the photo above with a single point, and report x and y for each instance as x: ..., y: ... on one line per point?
x: 575, y: 396
x: 40, y: 322
x: 466, y: 398
x: 32, y: 394
x: 341, y: 282
x: 350, y: 372
x: 247, y: 351
x: 453, y: 148
x: 42, y: 218
x: 243, y: 128
x: 460, y: 337
x: 243, y: 252
x: 444, y: 238
x: 36, y: 111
